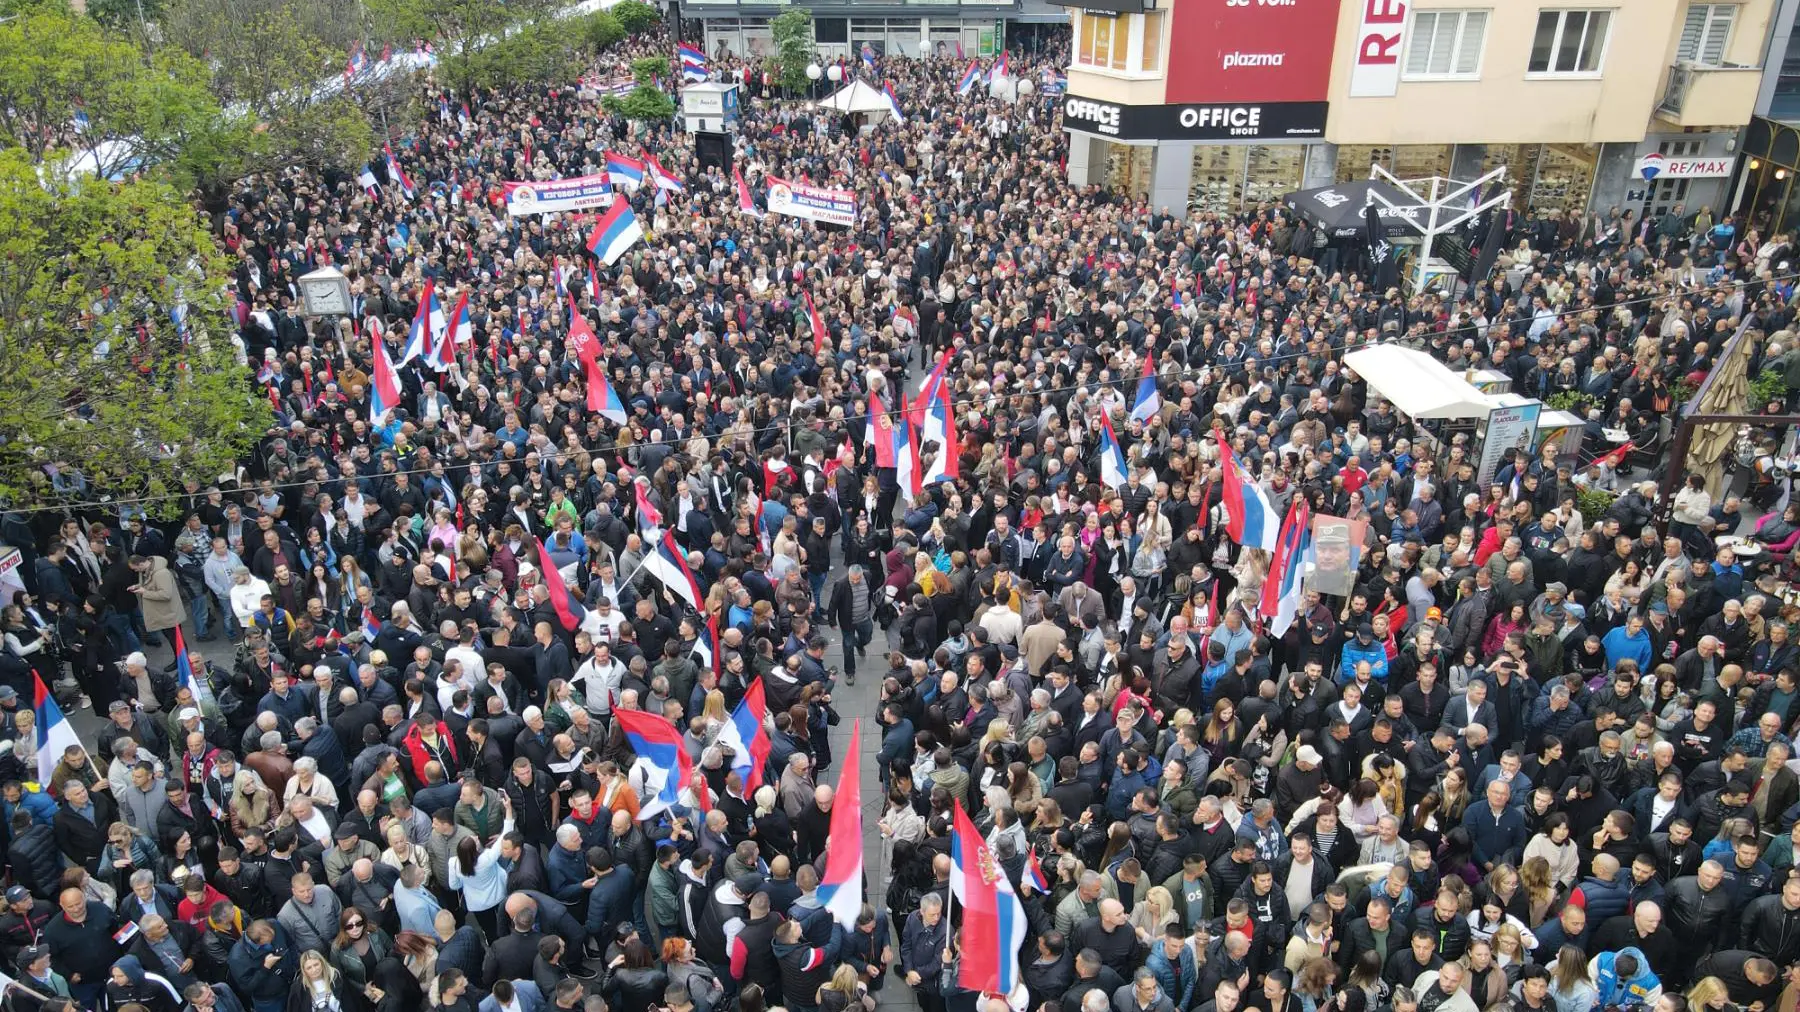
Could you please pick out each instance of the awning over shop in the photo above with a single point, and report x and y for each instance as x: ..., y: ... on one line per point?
x: 1339, y: 209
x: 1418, y: 385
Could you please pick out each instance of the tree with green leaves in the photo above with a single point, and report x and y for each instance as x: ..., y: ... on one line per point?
x: 96, y: 373
x: 460, y: 21
x: 643, y: 102
x: 636, y: 16
x: 601, y: 31
x: 794, y: 47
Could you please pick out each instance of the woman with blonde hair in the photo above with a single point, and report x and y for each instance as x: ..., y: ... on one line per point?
x: 1570, y: 987
x: 1510, y: 953
x: 251, y: 802
x: 1150, y: 917
x: 25, y: 745
x: 319, y: 987
x: 712, y: 711
x: 844, y: 992
x: 1709, y: 994
x: 1540, y: 889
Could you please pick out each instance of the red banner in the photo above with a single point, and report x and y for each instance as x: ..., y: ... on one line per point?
x: 1251, y: 51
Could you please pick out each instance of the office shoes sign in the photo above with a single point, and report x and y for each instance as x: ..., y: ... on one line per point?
x: 1194, y: 122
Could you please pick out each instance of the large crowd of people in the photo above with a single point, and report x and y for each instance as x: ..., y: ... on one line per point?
x: 1535, y: 760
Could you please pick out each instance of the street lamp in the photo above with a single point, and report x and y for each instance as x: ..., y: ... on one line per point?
x: 835, y: 73
x: 813, y: 73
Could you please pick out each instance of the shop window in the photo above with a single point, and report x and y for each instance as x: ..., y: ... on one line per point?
x: 1124, y: 42
x: 1569, y: 42
x: 1704, y: 34
x: 1274, y: 171
x: 1565, y: 177
x: 831, y: 31
x: 1354, y: 160
x: 1421, y: 161
x: 1218, y: 184
x: 1446, y: 44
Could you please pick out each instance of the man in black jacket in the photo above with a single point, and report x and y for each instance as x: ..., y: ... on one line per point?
x: 1771, y: 923
x: 81, y: 823
x: 511, y: 957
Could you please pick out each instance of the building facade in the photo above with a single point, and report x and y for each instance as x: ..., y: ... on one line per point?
x: 911, y: 28
x: 1763, y: 193
x: 1589, y: 106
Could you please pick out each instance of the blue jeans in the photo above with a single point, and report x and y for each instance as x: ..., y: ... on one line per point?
x: 124, y: 633
x: 817, y: 582
x: 200, y: 611
x: 228, y: 618
x: 856, y: 635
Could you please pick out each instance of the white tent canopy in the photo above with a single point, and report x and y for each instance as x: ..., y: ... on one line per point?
x: 857, y: 97
x: 1418, y: 385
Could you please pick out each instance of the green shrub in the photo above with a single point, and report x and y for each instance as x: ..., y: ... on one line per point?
x: 643, y: 102
x: 602, y: 31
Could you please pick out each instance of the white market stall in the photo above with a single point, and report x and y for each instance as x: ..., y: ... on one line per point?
x: 1418, y: 385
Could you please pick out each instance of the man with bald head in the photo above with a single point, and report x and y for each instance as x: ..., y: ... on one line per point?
x: 1643, y: 929
x: 813, y: 828
x: 1108, y: 933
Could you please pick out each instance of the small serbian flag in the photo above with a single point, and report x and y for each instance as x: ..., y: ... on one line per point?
x: 1034, y: 876
x: 1149, y: 401
x: 868, y: 56
x: 745, y: 203
x: 366, y: 179
x: 815, y: 324
x: 624, y: 172
x: 54, y: 732
x: 887, y: 90
x: 1000, y: 68
x: 371, y: 626
x: 667, y: 564
x: 126, y: 933
x: 396, y: 173
x: 969, y: 78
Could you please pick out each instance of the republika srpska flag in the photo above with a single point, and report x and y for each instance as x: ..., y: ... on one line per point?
x: 667, y: 564
x: 1287, y: 569
x: 54, y: 732
x: 1112, y: 456
x: 569, y: 611
x: 1149, y: 401
x: 748, y: 738
x: 662, y: 765
x: 617, y: 231
x: 384, y: 385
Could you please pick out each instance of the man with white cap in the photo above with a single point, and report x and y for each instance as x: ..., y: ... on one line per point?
x: 1299, y: 782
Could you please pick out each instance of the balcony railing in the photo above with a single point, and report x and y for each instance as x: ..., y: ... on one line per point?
x: 1698, y: 94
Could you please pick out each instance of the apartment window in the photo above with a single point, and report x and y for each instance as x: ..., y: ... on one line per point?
x: 1704, y: 34
x: 1446, y: 44
x: 1569, y: 42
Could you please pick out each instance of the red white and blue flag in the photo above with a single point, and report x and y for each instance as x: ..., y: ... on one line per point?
x: 937, y: 424
x: 366, y: 179
x: 1034, y: 875
x: 623, y: 171
x: 893, y: 100
x: 891, y: 436
x: 706, y: 643
x: 840, y: 883
x: 602, y: 399
x: 1112, y: 455
x: 359, y: 62
x: 569, y: 611
x: 616, y: 231
x: 746, y: 203
x: 747, y: 736
x: 663, y: 765
x: 868, y: 56
x: 54, y: 732
x: 999, y: 69
x: 460, y: 331
x: 396, y: 173
x: 384, y: 385
x: 693, y: 63
x: 1250, y: 520
x: 815, y: 324
x: 649, y: 518
x: 970, y: 78
x: 371, y: 626
x: 1148, y: 401
x: 184, y: 671
x: 1281, y: 591
x: 993, y: 925
x: 663, y: 179
x: 667, y: 564
x: 428, y: 327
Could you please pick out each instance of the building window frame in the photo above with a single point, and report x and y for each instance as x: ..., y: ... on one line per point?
x: 1716, y: 23
x: 1420, y: 38
x: 1588, y: 51
x: 1126, y: 56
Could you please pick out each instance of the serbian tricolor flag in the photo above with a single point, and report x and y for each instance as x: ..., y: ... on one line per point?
x: 54, y: 732
x: 868, y: 56
x: 662, y: 765
x: 1250, y: 520
x: 993, y: 924
x: 624, y: 172
x: 371, y: 626
x: 969, y: 78
x: 366, y: 179
x: 1000, y: 68
x: 815, y: 324
x: 1281, y: 591
x: 893, y: 100
x: 649, y: 518
x: 706, y: 643
x: 460, y: 330
x: 880, y: 432
x: 384, y: 385
x: 937, y: 424
x: 747, y: 735
x: 428, y: 325
x: 602, y: 399
x: 667, y: 564
x: 693, y: 62
x: 184, y: 671
x: 616, y: 231
x: 745, y: 203
x: 1034, y: 875
x: 568, y: 610
x: 358, y: 62
x: 1149, y: 401
x: 840, y: 881
x: 661, y: 176
x: 1112, y: 455
x: 396, y: 173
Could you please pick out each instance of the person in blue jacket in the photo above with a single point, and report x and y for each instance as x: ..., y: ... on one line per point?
x: 1363, y: 648
x: 1624, y: 979
x: 1496, y: 828
x: 1628, y: 641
